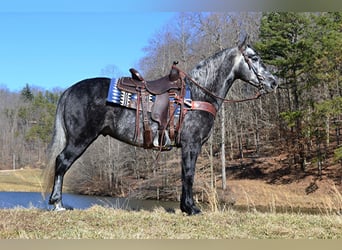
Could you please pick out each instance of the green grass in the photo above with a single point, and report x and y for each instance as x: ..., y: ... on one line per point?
x: 104, y: 223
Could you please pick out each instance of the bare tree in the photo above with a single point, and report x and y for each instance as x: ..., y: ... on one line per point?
x: 111, y: 70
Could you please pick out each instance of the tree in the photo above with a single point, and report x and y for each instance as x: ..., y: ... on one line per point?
x: 284, y: 44
x: 26, y: 93
x: 10, y: 140
x: 44, y: 107
x: 35, y: 123
x: 306, y: 49
x: 223, y: 147
x: 111, y: 70
x: 325, y: 67
x: 327, y: 58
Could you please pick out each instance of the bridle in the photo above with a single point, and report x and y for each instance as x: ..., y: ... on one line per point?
x: 250, y: 65
x: 255, y: 71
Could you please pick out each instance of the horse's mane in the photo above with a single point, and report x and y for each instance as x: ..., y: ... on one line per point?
x: 213, y: 71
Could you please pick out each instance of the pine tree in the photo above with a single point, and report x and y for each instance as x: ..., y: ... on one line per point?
x: 327, y: 42
x: 306, y: 49
x: 283, y: 43
x: 36, y: 117
x: 26, y: 93
x: 43, y: 107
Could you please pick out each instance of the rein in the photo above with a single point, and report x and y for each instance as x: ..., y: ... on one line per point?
x: 256, y: 96
x: 205, y: 106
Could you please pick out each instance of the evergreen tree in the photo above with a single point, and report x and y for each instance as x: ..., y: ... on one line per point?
x: 283, y: 43
x: 36, y: 119
x: 306, y: 49
x: 325, y: 73
x: 327, y: 64
x: 43, y: 106
x: 26, y: 93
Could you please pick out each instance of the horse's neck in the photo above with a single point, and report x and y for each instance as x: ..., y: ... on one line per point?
x: 216, y: 74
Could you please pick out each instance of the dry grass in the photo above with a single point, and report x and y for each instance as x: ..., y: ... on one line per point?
x: 103, y: 223
x: 21, y: 180
x: 254, y: 195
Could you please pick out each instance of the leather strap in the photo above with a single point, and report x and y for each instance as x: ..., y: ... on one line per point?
x: 256, y: 96
x: 171, y: 120
x: 204, y: 106
x: 147, y: 129
x: 137, y: 121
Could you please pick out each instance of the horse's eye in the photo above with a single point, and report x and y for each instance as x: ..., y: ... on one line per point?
x: 254, y: 58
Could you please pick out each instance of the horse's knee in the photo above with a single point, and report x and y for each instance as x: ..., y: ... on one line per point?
x: 189, y: 175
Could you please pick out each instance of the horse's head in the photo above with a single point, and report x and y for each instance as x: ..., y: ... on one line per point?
x: 251, y: 69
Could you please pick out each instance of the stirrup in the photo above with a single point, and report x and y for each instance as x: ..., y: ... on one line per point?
x: 166, y: 139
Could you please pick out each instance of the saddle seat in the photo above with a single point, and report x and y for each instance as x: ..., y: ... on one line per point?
x: 156, y: 87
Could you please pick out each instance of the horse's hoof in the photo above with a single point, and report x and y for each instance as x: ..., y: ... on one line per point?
x: 192, y: 211
x: 59, y: 207
x: 196, y: 211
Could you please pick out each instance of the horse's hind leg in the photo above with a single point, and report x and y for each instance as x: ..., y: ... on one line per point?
x: 63, y: 162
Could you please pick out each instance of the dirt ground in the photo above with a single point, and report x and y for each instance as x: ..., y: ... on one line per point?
x: 273, y: 185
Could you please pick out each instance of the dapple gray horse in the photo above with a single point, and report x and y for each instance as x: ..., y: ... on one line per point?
x: 83, y: 114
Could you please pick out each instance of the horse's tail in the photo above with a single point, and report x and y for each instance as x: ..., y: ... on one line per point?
x: 55, y: 147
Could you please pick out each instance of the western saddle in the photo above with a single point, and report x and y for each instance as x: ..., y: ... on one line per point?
x: 162, y: 111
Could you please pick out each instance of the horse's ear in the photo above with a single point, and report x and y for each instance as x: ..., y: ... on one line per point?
x: 243, y: 43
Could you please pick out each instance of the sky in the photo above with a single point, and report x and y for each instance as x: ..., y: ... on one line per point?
x: 53, y: 46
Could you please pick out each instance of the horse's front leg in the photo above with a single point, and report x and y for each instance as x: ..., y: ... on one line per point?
x: 189, y: 158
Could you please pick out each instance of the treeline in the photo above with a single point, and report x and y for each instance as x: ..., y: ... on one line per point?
x: 304, y: 50
x: 26, y: 123
x: 301, y: 121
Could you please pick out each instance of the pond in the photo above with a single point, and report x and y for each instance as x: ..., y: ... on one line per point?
x: 10, y: 200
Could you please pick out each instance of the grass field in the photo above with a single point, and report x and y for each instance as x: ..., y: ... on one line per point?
x: 105, y: 223
x: 28, y: 180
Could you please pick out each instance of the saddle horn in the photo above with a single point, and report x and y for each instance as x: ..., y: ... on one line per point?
x: 136, y: 75
x: 174, y: 73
